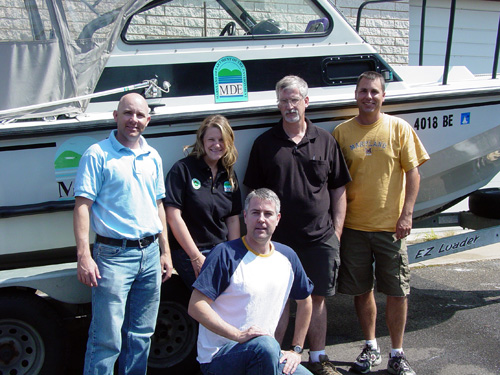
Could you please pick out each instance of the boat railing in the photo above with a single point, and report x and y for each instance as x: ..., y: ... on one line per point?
x: 360, y: 9
x: 151, y: 87
x: 449, y: 41
x: 497, y: 51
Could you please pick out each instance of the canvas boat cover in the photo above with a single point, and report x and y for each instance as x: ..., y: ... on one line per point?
x: 57, y: 49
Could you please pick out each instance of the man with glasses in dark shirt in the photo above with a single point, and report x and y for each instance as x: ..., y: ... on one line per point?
x: 304, y: 166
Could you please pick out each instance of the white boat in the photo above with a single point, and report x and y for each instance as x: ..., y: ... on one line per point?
x: 195, y: 58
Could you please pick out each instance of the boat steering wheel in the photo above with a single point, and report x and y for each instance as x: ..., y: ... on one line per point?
x: 230, y: 29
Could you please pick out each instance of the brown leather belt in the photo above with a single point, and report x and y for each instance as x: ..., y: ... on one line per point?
x: 140, y: 243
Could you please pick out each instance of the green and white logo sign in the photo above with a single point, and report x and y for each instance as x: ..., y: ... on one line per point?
x: 230, y: 80
x: 66, y: 162
x: 227, y: 187
x: 196, y: 183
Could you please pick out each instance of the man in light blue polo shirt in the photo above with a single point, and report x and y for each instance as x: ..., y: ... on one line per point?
x: 118, y: 192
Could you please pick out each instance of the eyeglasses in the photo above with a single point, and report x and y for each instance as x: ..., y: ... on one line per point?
x: 293, y: 102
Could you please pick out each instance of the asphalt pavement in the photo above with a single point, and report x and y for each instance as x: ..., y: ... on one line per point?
x: 453, y: 325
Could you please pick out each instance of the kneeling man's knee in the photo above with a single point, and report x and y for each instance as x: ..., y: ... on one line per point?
x: 269, y: 343
x: 266, y: 347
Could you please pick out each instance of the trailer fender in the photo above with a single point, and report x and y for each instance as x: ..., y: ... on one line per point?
x: 59, y: 281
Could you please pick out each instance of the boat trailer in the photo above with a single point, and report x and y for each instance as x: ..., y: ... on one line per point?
x: 484, y: 231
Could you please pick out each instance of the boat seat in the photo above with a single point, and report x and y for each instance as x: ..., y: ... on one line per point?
x: 317, y: 26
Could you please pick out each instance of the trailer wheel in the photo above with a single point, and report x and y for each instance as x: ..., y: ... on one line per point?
x: 31, y: 336
x: 485, y: 203
x: 173, y: 345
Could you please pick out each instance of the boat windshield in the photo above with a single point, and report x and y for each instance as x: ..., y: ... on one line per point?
x: 177, y: 20
x: 58, y: 47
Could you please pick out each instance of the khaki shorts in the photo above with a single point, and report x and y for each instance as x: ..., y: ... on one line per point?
x: 362, y: 253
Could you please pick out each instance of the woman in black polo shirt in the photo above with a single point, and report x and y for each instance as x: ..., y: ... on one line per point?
x: 203, y: 199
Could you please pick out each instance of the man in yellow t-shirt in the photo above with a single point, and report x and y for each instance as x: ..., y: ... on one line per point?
x: 383, y: 154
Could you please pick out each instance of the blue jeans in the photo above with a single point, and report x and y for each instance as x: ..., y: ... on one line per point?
x: 184, y: 266
x: 258, y: 356
x: 124, y: 309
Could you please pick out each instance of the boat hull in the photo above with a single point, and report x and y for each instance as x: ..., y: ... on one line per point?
x: 37, y: 163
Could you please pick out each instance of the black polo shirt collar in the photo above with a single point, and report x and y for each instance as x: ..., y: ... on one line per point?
x: 202, y: 165
x: 311, y: 132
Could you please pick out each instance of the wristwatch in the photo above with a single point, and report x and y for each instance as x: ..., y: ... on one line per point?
x: 297, y: 349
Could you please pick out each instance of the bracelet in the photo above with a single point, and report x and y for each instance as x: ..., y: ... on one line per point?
x: 195, y: 259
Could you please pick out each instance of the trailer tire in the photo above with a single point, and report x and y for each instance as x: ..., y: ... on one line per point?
x: 31, y: 335
x: 173, y: 345
x: 485, y: 203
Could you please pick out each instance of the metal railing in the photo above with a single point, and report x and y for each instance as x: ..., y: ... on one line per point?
x: 360, y: 9
x: 448, y: 42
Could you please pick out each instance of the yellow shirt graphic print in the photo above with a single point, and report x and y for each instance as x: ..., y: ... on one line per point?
x: 378, y: 156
